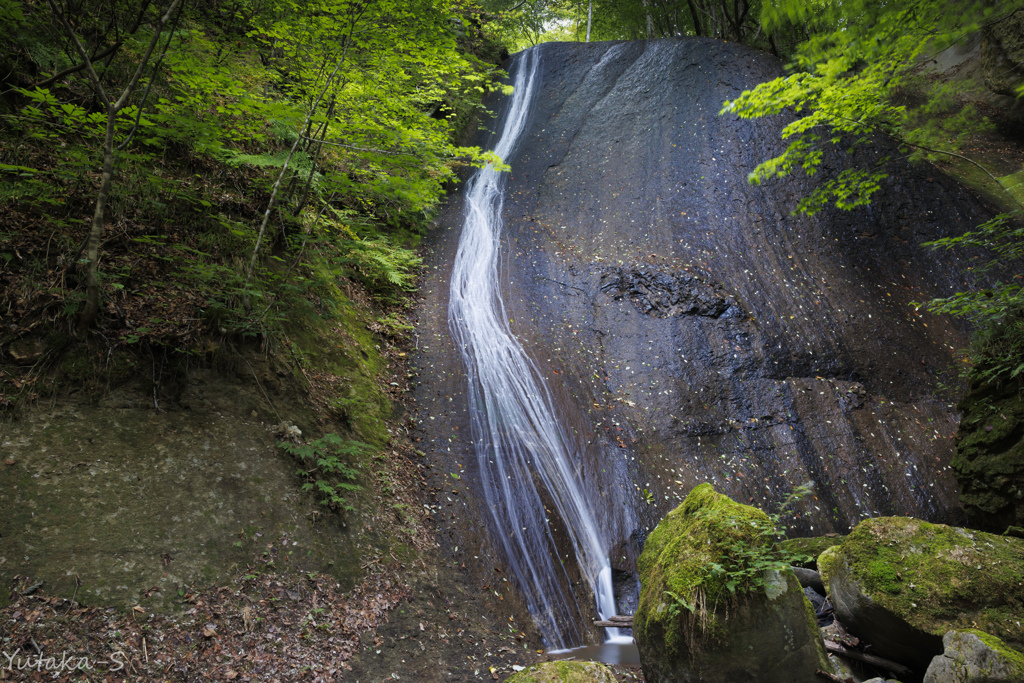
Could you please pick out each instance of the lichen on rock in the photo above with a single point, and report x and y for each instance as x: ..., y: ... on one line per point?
x: 691, y: 626
x: 973, y: 656
x: 1002, y: 54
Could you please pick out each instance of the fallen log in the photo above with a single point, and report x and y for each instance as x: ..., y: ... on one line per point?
x: 837, y: 649
x: 617, y: 621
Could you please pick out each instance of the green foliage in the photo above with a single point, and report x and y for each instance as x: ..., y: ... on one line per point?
x: 997, y: 311
x: 372, y: 95
x: 328, y: 468
x: 10, y: 13
x: 845, y: 86
x: 521, y: 24
x: 753, y: 549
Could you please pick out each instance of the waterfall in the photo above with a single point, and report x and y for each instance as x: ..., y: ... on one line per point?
x: 525, y: 455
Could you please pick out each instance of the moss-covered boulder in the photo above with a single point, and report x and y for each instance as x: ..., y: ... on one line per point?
x: 690, y: 626
x: 900, y: 583
x: 989, y: 460
x: 1002, y: 54
x: 974, y: 656
x: 564, y: 672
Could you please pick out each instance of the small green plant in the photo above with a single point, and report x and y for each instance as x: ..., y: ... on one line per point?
x: 328, y: 469
x: 749, y: 554
x: 677, y: 603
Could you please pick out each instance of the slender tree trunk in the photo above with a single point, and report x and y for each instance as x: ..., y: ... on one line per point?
x: 92, y: 248
x: 284, y: 169
x: 590, y: 16
x: 696, y: 18
x: 92, y: 279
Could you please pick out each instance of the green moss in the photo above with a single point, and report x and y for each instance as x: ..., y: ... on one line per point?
x: 999, y: 647
x: 564, y: 672
x: 826, y: 564
x: 999, y: 193
x: 938, y: 577
x: 1014, y: 184
x: 811, y: 547
x: 342, y: 346
x: 671, y: 563
x: 989, y: 460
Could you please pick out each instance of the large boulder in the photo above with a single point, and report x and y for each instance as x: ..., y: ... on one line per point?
x: 1002, y: 54
x: 900, y: 583
x: 564, y: 672
x: 989, y: 460
x: 691, y: 627
x: 975, y: 657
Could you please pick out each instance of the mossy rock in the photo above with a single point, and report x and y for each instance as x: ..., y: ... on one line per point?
x: 989, y: 460
x: 1002, y: 54
x: 810, y: 547
x: 768, y: 634
x: 900, y: 584
x: 564, y: 672
x: 975, y: 656
x: 826, y: 563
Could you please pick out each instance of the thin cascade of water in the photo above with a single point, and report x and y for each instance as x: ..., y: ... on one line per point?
x: 524, y: 453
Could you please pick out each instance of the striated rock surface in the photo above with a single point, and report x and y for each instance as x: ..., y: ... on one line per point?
x: 901, y: 583
x: 691, y: 626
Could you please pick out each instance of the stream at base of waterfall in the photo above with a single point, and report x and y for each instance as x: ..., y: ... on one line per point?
x: 526, y: 457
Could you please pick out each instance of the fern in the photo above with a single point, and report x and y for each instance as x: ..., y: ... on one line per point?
x: 327, y: 468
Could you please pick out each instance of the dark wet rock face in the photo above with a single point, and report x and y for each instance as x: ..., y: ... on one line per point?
x: 691, y: 329
x: 665, y: 295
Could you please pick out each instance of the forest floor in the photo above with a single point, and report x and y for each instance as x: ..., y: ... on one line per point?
x: 268, y: 625
x: 418, y: 610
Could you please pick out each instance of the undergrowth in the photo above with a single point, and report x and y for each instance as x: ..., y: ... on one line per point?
x: 330, y: 468
x: 228, y: 219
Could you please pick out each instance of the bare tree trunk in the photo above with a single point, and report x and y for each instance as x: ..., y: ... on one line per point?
x: 696, y: 18
x: 92, y: 249
x: 590, y: 16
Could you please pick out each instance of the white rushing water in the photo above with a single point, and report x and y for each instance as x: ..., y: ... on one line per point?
x: 526, y: 457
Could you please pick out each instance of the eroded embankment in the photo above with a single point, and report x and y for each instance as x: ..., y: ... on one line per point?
x: 690, y: 328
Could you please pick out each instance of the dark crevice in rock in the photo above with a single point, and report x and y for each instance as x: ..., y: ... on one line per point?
x: 664, y: 294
